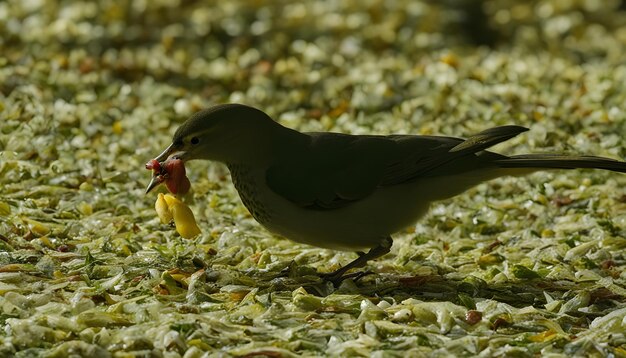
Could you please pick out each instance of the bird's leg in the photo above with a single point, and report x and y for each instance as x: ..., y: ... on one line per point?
x: 377, y: 251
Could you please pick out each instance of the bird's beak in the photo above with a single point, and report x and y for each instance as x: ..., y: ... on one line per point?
x: 166, y: 154
x: 154, y: 182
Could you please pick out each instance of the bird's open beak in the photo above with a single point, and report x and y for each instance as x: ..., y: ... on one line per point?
x: 154, y: 182
x: 167, y: 153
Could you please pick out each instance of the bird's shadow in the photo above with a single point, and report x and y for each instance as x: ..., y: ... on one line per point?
x: 435, y: 287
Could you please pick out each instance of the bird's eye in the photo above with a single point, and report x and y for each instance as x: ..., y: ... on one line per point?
x: 195, y: 140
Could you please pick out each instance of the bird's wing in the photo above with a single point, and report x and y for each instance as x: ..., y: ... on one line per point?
x: 337, y: 169
x: 443, y: 159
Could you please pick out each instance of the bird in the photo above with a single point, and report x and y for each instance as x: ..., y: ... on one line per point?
x: 349, y: 192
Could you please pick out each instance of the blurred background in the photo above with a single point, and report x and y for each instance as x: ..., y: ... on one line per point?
x: 311, y: 57
x: 156, y: 62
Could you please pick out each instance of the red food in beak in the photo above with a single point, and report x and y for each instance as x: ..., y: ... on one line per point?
x: 154, y: 164
x: 177, y: 181
x: 172, y: 172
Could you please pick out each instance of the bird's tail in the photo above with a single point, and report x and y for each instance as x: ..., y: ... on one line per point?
x: 556, y: 161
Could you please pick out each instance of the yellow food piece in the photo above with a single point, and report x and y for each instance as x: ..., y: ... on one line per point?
x: 162, y: 209
x: 171, y: 200
x: 185, y: 221
x: 168, y: 207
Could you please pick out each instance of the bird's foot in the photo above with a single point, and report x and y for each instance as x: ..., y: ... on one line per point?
x: 360, y: 275
x: 337, y: 277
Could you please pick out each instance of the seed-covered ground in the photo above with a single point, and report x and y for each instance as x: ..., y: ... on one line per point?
x: 91, y: 90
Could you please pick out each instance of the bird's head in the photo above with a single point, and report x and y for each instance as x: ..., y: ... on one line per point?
x: 227, y: 133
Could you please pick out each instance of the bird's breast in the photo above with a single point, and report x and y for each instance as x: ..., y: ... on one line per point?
x: 246, y: 183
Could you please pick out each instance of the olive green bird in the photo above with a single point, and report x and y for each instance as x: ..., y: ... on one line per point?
x: 349, y: 192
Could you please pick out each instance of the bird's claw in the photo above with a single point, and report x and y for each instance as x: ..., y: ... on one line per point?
x: 337, y: 277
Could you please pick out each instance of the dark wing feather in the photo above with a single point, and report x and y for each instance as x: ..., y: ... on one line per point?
x: 338, y: 169
x: 426, y: 159
x: 561, y: 162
